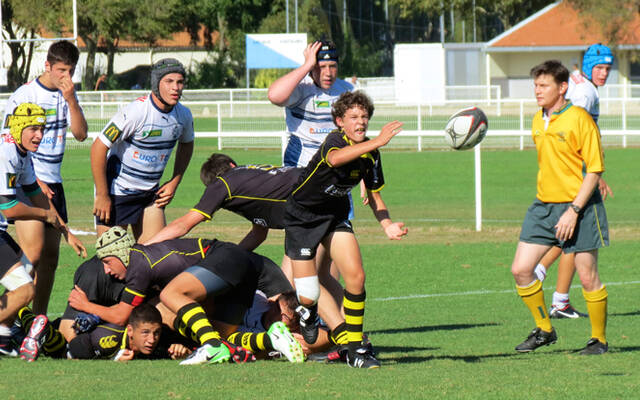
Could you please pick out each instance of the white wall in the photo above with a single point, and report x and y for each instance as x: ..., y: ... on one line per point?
x: 419, y: 71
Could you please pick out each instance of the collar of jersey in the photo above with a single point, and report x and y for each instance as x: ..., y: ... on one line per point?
x: 44, y: 87
x: 158, y: 108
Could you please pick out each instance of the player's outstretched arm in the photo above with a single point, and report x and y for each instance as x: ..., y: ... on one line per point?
x: 339, y: 157
x: 393, y: 230
x: 254, y: 238
x: 165, y: 194
x: 178, y: 227
x: 280, y: 90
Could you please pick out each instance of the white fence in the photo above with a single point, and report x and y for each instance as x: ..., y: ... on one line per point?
x: 245, y: 118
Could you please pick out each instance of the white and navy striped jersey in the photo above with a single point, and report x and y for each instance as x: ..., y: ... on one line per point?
x: 252, y: 321
x: 16, y: 170
x: 141, y: 138
x: 48, y: 159
x: 308, y: 110
x: 583, y: 93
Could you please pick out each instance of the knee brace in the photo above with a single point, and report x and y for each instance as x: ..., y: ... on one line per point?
x: 308, y: 287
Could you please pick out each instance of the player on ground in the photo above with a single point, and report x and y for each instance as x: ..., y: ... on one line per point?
x: 568, y: 210
x: 131, y: 153
x: 582, y: 92
x: 26, y: 126
x: 317, y: 212
x: 55, y: 93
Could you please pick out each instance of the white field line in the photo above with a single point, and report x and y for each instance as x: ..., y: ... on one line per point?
x: 480, y: 292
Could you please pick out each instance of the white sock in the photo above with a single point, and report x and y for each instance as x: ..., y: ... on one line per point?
x: 5, y: 330
x: 560, y: 300
x: 541, y: 272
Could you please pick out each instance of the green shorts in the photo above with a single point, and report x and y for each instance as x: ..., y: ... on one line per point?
x: 592, y: 229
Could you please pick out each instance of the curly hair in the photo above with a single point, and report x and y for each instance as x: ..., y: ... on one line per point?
x: 348, y: 100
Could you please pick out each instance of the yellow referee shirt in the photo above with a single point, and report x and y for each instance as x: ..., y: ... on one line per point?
x: 568, y: 143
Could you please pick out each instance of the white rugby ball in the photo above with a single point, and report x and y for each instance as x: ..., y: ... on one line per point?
x: 466, y: 128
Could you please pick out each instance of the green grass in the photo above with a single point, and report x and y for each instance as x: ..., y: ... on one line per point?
x: 441, y: 308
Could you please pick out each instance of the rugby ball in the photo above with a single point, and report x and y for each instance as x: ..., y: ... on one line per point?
x: 466, y: 128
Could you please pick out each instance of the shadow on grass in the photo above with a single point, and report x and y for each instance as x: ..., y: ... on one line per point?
x: 419, y: 329
x: 468, y: 359
x: 627, y: 314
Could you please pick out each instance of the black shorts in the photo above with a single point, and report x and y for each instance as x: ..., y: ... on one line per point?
x: 127, y: 210
x: 59, y: 200
x: 240, y: 271
x: 102, y: 342
x: 10, y: 253
x: 304, y: 229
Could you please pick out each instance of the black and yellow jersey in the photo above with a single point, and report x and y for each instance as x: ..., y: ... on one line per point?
x: 100, y: 288
x: 256, y: 192
x: 323, y: 188
x: 153, y: 266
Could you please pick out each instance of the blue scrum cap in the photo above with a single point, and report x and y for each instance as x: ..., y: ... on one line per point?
x: 596, y: 54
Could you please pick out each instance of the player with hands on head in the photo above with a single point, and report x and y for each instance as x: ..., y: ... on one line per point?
x: 54, y: 91
x: 317, y: 212
x: 129, y: 156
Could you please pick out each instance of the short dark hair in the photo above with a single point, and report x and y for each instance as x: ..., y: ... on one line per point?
x: 291, y: 300
x: 145, y: 313
x: 64, y: 52
x: 215, y: 166
x: 551, y: 67
x: 348, y: 100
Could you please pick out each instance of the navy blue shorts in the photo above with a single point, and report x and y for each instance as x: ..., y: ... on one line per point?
x: 10, y: 253
x: 127, y: 210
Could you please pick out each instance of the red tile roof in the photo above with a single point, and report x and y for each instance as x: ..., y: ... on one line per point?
x: 560, y: 25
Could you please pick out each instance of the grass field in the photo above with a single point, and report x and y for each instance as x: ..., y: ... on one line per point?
x: 441, y: 308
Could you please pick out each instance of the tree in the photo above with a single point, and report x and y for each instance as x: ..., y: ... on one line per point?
x: 611, y: 18
x: 24, y: 19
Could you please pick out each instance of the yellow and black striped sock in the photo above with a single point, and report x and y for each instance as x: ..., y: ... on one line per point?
x: 182, y: 329
x: 54, y: 343
x: 354, y: 316
x: 195, y: 319
x: 338, y: 335
x: 533, y: 297
x: 597, y: 308
x: 253, y: 342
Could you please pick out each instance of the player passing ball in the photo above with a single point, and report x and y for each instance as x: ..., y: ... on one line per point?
x: 317, y: 213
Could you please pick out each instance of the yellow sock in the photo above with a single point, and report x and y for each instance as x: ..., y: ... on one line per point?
x: 533, y: 297
x: 597, y: 307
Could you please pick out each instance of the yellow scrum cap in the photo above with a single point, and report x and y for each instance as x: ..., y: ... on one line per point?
x: 26, y: 114
x: 115, y: 242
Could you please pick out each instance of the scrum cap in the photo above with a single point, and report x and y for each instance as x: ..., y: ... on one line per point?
x: 115, y: 242
x: 26, y: 114
x: 327, y: 51
x: 596, y: 54
x: 162, y: 68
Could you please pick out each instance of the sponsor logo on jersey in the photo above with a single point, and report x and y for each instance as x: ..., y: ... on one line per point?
x: 260, y: 221
x: 112, y: 132
x: 108, y: 342
x: 8, y: 139
x: 560, y: 136
x: 11, y: 180
x: 51, y: 111
x: 355, y: 173
x: 320, y: 131
x: 53, y: 140
x: 336, y: 191
x: 149, y: 158
x: 152, y: 133
x: 323, y: 104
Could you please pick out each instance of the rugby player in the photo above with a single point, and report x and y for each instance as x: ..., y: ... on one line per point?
x: 317, y: 212
x: 568, y: 211
x: 26, y: 126
x: 132, y: 151
x: 55, y: 93
x: 582, y: 92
